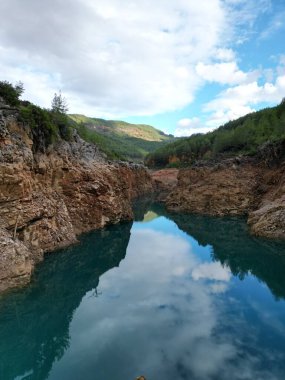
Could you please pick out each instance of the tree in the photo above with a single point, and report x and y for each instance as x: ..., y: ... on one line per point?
x: 59, y: 104
x: 19, y: 88
x: 60, y: 119
x: 10, y: 93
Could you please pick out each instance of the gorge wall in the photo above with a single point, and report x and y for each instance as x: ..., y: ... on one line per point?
x: 240, y: 186
x: 47, y: 198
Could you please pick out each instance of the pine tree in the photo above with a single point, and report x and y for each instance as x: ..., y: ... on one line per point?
x: 59, y: 104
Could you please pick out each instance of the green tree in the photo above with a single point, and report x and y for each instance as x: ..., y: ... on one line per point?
x: 59, y: 103
x: 11, y: 93
x: 60, y: 119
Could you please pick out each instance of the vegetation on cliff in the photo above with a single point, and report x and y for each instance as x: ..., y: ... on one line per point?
x: 10, y: 93
x: 117, y: 139
x: 46, y: 125
x: 126, y: 141
x: 243, y: 136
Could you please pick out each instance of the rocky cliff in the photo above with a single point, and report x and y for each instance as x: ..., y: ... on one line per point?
x: 164, y: 182
x: 49, y: 196
x: 240, y: 186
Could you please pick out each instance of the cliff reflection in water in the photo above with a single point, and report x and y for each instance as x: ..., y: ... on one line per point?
x: 170, y: 305
x: 34, y: 321
x: 231, y: 244
x: 234, y: 247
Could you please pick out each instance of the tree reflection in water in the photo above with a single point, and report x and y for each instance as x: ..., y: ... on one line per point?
x: 35, y: 321
x: 38, y: 316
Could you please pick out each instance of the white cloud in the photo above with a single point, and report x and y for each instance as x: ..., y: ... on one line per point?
x: 239, y: 100
x: 225, y: 55
x: 185, y: 123
x: 114, y: 58
x: 187, y: 127
x: 218, y: 287
x: 211, y: 271
x: 109, y: 59
x: 224, y: 73
x: 222, y: 116
x: 156, y: 303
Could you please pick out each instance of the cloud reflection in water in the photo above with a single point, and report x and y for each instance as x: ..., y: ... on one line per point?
x: 159, y: 315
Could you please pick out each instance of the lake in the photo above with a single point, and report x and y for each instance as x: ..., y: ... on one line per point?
x: 172, y: 297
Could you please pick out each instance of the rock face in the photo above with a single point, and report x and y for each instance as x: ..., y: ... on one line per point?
x: 252, y: 187
x: 219, y: 190
x: 268, y: 219
x: 47, y: 199
x: 15, y: 252
x: 164, y: 181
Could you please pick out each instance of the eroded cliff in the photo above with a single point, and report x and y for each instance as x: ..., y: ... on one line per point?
x: 48, y: 197
x: 240, y: 186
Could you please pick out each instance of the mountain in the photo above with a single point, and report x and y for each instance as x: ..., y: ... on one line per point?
x: 243, y: 136
x: 121, y: 140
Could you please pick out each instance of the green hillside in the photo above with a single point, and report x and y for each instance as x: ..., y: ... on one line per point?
x: 122, y: 140
x: 243, y: 136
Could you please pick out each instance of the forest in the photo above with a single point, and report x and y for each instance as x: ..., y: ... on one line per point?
x: 243, y: 136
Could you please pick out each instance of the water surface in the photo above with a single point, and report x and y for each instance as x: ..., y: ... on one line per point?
x: 169, y: 297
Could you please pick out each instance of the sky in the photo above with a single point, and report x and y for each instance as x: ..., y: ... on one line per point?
x: 183, y: 66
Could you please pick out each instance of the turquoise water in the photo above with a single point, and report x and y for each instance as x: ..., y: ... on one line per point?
x: 168, y: 297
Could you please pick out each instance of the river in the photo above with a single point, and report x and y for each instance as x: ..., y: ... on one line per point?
x: 172, y: 297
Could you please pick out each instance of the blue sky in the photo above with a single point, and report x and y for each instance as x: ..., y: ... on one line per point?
x: 263, y: 49
x: 183, y: 66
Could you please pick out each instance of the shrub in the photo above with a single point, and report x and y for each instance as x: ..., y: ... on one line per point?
x: 10, y: 93
x: 44, y: 131
x: 62, y: 123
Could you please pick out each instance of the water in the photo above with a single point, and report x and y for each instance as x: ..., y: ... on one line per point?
x: 169, y: 297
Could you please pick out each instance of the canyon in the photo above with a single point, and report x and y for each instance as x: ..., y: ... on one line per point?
x: 49, y: 197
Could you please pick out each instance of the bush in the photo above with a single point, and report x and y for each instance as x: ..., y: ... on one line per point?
x: 10, y: 93
x: 62, y: 123
x: 44, y: 131
x: 104, y: 143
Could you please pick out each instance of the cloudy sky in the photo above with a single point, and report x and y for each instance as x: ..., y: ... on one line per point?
x: 184, y: 66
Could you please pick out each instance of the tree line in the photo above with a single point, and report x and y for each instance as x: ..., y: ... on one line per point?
x: 243, y: 136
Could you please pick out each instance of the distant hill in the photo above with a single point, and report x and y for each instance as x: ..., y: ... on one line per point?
x: 119, y: 139
x: 243, y: 136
